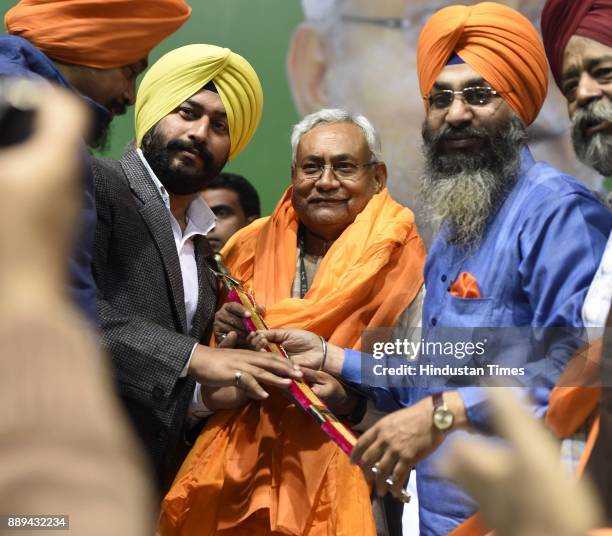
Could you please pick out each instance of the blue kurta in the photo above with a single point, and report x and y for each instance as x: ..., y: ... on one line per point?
x: 19, y: 58
x: 533, y: 266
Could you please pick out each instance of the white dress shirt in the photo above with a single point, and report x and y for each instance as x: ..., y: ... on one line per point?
x: 599, y: 296
x: 200, y: 221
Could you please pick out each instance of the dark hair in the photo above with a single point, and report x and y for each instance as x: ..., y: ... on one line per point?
x: 247, y: 195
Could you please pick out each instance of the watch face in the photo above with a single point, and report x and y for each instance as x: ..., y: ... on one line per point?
x: 443, y: 419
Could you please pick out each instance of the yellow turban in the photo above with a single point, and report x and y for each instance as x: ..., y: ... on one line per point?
x: 183, y: 72
x: 499, y: 43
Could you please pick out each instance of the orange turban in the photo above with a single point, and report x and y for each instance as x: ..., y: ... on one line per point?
x: 499, y: 43
x: 96, y: 33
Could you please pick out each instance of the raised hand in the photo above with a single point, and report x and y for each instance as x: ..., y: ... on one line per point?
x: 335, y: 394
x: 228, y: 319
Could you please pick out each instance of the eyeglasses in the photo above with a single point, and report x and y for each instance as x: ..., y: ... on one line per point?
x: 343, y: 171
x: 409, y: 26
x: 412, y: 25
x: 473, y: 96
x: 395, y: 23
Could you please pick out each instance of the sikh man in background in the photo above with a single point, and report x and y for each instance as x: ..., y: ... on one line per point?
x: 96, y: 50
x: 197, y: 106
x: 338, y: 255
x: 496, y: 261
x: 234, y: 202
x: 347, y: 50
x: 578, y: 41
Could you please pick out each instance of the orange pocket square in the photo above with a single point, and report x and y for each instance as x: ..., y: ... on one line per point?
x: 465, y: 286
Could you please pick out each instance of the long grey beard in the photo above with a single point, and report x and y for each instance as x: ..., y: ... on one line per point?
x: 462, y: 191
x: 596, y: 151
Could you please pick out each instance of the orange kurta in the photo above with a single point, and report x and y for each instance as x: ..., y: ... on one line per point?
x: 267, y: 467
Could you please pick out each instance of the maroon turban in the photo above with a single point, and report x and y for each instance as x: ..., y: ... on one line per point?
x: 563, y: 18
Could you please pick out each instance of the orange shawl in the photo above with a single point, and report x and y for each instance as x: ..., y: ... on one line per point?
x: 267, y: 468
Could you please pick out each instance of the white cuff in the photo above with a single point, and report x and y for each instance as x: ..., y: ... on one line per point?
x: 197, y: 408
x: 186, y: 367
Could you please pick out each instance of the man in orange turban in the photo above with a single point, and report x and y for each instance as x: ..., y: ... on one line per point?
x: 499, y: 43
x: 496, y: 261
x: 96, y: 50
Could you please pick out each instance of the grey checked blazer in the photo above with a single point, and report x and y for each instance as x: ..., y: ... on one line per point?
x: 142, y: 309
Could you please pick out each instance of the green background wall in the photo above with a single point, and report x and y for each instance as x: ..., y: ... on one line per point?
x: 260, y: 31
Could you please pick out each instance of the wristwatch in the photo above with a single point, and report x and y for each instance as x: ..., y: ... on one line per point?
x: 442, y: 417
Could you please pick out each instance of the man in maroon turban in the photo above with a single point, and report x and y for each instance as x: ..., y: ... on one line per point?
x: 578, y: 40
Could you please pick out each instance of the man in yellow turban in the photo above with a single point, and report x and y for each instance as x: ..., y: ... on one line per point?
x: 196, y: 107
x: 96, y: 50
x: 517, y: 246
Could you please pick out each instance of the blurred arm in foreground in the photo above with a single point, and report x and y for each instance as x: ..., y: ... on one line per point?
x: 520, y: 486
x: 64, y: 444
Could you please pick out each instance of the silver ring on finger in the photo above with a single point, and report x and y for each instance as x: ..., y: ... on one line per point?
x: 219, y: 337
x: 390, y: 481
x: 237, y: 377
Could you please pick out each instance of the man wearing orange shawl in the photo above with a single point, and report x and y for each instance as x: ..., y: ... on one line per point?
x: 338, y: 255
x: 96, y: 50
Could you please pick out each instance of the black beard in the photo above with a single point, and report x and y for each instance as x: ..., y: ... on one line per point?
x: 596, y: 150
x: 463, y: 189
x: 499, y: 144
x: 179, y: 179
x: 100, y: 136
x: 102, y: 141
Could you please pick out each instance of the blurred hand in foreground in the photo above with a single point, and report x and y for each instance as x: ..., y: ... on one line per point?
x: 39, y: 192
x: 521, y: 487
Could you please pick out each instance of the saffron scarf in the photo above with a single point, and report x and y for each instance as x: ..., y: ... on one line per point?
x: 266, y: 468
